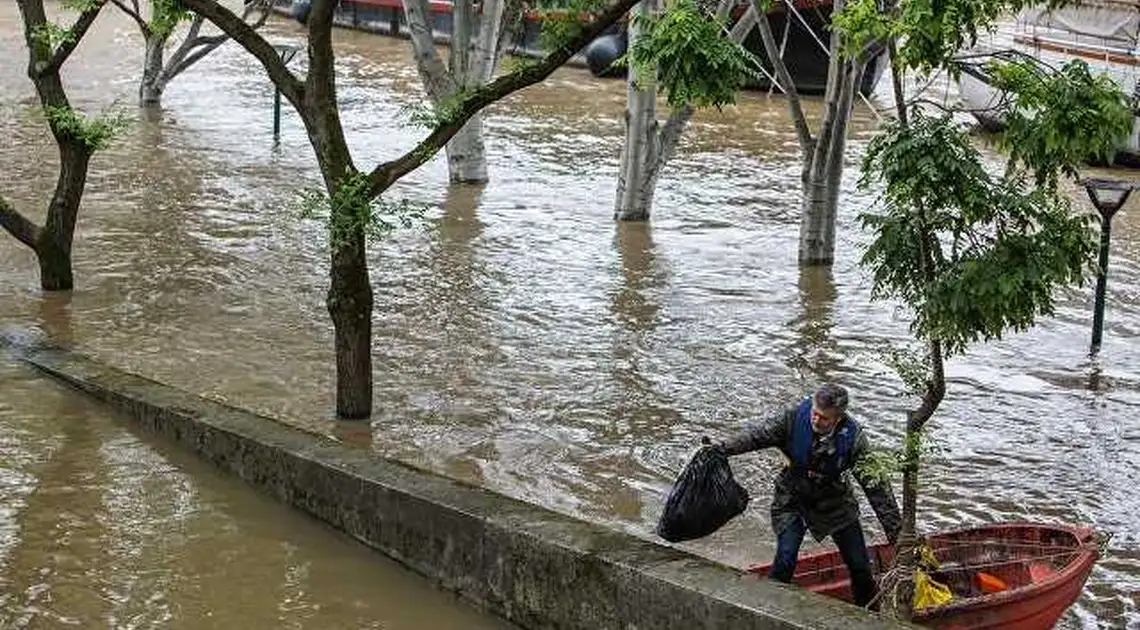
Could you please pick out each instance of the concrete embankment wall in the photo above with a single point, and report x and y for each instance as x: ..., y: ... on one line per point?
x: 532, y: 566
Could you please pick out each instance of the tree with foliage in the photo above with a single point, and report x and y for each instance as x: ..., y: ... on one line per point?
x: 701, y: 63
x: 974, y: 254
x: 355, y: 199
x: 76, y: 136
x: 164, y: 18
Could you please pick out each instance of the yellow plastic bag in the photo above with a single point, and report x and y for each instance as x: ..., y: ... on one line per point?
x: 926, y: 558
x: 928, y: 593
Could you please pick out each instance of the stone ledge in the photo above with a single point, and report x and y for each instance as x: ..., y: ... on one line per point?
x: 532, y: 566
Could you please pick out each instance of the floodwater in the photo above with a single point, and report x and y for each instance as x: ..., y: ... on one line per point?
x: 526, y: 342
x: 100, y: 527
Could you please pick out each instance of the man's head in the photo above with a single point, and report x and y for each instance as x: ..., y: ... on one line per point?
x: 827, y: 407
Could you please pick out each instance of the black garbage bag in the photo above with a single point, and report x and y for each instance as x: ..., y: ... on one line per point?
x: 704, y: 498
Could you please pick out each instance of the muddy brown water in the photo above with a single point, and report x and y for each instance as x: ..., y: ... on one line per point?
x: 103, y: 527
x: 524, y: 341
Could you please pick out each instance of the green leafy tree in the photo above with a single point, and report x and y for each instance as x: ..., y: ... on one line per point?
x: 696, y: 61
x: 350, y: 192
x: 974, y: 254
x: 76, y: 136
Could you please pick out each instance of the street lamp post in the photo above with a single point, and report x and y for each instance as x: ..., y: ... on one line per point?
x: 1107, y: 195
x: 286, y: 53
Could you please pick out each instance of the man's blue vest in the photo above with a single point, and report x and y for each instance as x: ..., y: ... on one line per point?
x: 802, y: 435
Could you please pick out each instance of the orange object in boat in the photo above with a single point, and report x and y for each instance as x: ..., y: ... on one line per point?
x: 989, y: 583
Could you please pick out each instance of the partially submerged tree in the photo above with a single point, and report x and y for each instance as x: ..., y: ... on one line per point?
x: 164, y: 17
x: 700, y: 63
x: 77, y: 138
x: 355, y: 198
x: 822, y: 153
x: 974, y: 254
x: 476, y: 47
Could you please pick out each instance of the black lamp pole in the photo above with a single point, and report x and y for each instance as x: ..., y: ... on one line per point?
x: 286, y: 52
x: 1115, y: 193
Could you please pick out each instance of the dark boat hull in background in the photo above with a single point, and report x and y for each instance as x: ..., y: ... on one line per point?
x: 803, y: 53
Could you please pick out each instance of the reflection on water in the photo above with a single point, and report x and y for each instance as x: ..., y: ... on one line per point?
x: 99, y: 528
x: 524, y: 341
x: 815, y: 351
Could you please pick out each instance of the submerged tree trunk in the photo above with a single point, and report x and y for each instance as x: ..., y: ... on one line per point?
x: 52, y: 242
x: 467, y: 154
x: 349, y: 298
x: 639, y: 152
x: 153, y: 81
x: 822, y: 155
x: 474, y: 53
x: 824, y: 174
x: 350, y: 307
x: 54, y: 245
x: 649, y: 146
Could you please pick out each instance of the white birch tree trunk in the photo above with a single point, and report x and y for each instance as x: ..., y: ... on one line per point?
x: 822, y: 155
x: 466, y: 153
x: 649, y: 146
x: 472, y: 60
x: 639, y: 152
x: 821, y: 189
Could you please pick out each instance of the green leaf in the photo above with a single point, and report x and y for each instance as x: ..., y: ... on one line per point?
x: 352, y: 211
x: 52, y: 35
x: 166, y: 15
x: 997, y: 247
x: 96, y: 133
x: 1058, y: 119
x: 685, y: 51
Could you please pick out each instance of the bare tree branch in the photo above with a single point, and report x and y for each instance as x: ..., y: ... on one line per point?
x: 670, y: 136
x: 184, y: 49
x: 389, y: 172
x: 206, y: 44
x: 247, y: 36
x: 192, y: 33
x: 18, y: 225
x: 210, y: 41
x: 795, y: 107
x: 209, y: 44
x: 134, y: 13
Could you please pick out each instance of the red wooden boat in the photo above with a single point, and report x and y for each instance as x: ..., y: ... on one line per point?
x: 1044, y: 568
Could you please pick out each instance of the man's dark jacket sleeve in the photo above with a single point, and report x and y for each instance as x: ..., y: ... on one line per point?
x: 770, y: 433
